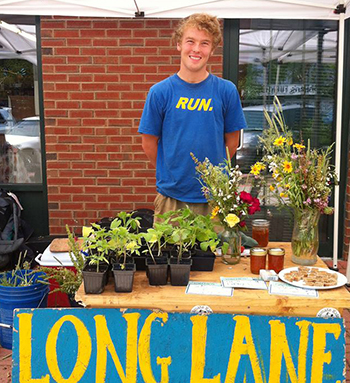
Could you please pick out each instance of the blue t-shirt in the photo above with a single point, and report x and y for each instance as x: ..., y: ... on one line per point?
x: 189, y: 118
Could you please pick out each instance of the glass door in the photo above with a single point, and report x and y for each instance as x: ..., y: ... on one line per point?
x: 296, y: 61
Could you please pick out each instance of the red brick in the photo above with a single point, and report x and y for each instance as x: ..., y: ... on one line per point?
x: 67, y: 86
x: 80, y: 78
x: 80, y: 113
x: 92, y: 33
x: 79, y: 60
x: 118, y: 69
x: 83, y: 181
x: 105, y: 43
x: 131, y: 42
x: 119, y: 52
x: 71, y: 189
x: 105, y: 24
x: 118, y: 32
x: 68, y: 104
x: 52, y: 24
x: 79, y: 24
x: 79, y: 42
x: 66, y: 33
x: 82, y: 95
x: 133, y: 198
x: 131, y: 24
x: 67, y: 51
x: 109, y: 198
x: 93, y: 51
x: 93, y: 86
x: 95, y: 173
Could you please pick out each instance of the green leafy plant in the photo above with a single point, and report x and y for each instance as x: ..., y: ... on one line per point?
x: 156, y: 238
x: 68, y: 280
x: 96, y: 246
x: 122, y: 238
x: 22, y: 275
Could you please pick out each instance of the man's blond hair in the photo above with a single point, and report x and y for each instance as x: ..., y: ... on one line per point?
x: 203, y: 22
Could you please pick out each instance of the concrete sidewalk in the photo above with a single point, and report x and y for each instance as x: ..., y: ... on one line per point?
x: 6, y: 360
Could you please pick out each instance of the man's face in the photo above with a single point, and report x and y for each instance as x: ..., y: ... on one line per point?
x: 196, y: 47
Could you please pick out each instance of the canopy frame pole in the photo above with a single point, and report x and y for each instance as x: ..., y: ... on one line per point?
x: 338, y: 132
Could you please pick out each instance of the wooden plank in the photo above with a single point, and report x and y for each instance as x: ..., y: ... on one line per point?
x: 258, y: 302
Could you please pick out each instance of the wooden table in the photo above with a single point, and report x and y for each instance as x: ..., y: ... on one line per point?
x: 255, y: 302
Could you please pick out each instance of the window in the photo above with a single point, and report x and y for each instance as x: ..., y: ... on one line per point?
x: 20, y: 144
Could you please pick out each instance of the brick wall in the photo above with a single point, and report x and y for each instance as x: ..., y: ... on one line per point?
x: 96, y: 74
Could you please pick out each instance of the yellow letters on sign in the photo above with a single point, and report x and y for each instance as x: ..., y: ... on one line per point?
x: 243, y: 331
x: 280, y: 347
x: 84, y: 350
x: 320, y: 357
x: 145, y: 352
x: 104, y: 343
x: 199, y: 339
x: 25, y: 351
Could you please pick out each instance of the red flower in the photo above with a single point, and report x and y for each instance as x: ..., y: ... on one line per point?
x: 242, y: 223
x: 246, y: 197
x: 254, y: 207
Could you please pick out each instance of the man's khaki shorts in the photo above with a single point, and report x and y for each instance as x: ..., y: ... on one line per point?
x: 163, y: 204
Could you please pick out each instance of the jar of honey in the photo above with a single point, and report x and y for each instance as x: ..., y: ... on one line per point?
x: 260, y: 231
x: 276, y: 259
x: 257, y: 259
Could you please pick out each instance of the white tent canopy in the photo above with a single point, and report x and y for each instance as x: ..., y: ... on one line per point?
x: 281, y: 9
x: 228, y: 9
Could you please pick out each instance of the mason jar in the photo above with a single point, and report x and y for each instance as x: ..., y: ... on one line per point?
x: 260, y: 231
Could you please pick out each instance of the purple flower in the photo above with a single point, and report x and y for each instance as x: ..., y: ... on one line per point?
x: 293, y: 156
x: 307, y: 202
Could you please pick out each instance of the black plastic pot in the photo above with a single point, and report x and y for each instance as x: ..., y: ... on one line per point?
x: 123, y: 277
x: 157, y: 273
x: 180, y: 271
x: 202, y: 260
x: 140, y: 262
x: 94, y: 282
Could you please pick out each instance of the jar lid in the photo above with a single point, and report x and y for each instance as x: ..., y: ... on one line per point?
x: 258, y: 251
x: 261, y: 222
x: 276, y: 251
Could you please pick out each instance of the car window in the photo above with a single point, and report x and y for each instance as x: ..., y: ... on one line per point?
x: 26, y: 128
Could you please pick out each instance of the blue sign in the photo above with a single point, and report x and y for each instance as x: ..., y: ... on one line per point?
x: 108, y: 345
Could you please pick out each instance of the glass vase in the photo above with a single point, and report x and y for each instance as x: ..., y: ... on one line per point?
x: 233, y: 254
x: 305, y: 239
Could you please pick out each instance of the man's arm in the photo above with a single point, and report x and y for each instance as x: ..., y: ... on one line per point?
x: 150, y: 147
x: 232, y: 142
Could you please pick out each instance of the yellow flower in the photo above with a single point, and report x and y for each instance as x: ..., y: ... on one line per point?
x: 272, y: 188
x: 279, y: 141
x: 287, y: 186
x: 283, y: 195
x: 255, y: 169
x: 214, y: 212
x: 232, y: 220
x: 287, y: 167
x: 290, y: 141
x: 299, y: 146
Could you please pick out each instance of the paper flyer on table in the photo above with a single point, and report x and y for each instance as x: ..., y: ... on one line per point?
x: 281, y: 288
x: 244, y: 283
x: 208, y: 288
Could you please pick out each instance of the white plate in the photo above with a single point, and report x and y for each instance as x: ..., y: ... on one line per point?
x: 341, y: 278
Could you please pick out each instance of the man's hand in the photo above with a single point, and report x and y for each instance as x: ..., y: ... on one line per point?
x: 150, y: 147
x: 232, y: 142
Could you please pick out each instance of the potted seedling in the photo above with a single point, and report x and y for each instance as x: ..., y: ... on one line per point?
x: 156, y: 239
x: 203, y: 253
x: 96, y: 249
x: 125, y: 242
x: 183, y: 237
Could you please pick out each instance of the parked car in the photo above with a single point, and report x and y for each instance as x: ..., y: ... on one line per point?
x: 24, y: 138
x: 7, y: 121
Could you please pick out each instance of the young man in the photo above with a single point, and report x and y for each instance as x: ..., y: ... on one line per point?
x: 191, y: 111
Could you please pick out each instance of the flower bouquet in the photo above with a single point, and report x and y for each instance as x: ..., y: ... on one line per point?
x: 220, y: 186
x: 302, y: 179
